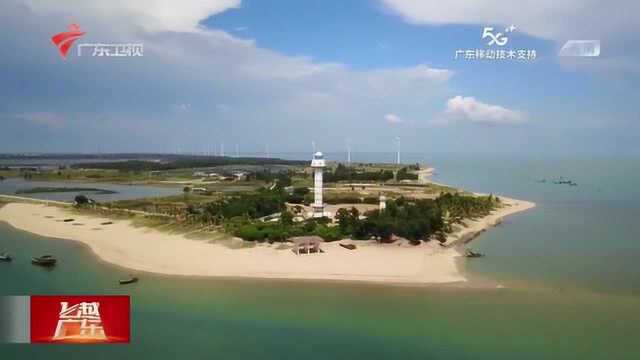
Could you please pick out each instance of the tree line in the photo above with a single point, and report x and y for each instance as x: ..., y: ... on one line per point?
x: 184, y: 163
x: 414, y: 219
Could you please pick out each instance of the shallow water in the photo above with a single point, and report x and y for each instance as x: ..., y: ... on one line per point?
x: 121, y: 192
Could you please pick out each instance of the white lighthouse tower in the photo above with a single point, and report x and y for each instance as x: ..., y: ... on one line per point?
x: 318, y: 164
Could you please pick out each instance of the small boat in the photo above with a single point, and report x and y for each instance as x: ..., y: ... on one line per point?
x: 5, y: 257
x: 472, y: 254
x: 44, y: 260
x: 348, y: 246
x: 130, y: 280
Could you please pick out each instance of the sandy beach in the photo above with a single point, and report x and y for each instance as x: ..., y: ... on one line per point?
x: 146, y: 249
x: 473, y: 228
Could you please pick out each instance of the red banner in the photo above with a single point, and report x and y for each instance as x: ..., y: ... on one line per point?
x: 80, y: 319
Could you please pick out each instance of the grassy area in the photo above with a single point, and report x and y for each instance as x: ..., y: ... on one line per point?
x: 161, y: 178
x: 372, y: 167
x: 431, y: 188
x: 297, y: 181
x: 302, y: 175
x: 8, y: 174
x: 108, y: 176
x: 235, y: 186
x: 177, y: 202
x: 169, y: 225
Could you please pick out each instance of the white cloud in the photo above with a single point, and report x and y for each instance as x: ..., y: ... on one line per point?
x: 152, y: 15
x: 223, y: 107
x: 469, y: 109
x: 181, y: 108
x: 550, y: 19
x: 393, y: 119
x: 614, y: 23
x: 269, y: 93
x: 428, y: 73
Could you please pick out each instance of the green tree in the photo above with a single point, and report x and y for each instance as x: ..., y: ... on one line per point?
x: 286, y: 218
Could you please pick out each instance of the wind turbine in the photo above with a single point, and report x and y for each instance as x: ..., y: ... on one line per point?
x: 222, y: 149
x: 348, y: 151
x: 398, y: 150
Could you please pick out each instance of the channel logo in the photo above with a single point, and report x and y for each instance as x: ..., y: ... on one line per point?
x: 64, y: 40
x: 66, y: 319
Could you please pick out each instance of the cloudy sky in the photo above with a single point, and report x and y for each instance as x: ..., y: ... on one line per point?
x: 286, y: 73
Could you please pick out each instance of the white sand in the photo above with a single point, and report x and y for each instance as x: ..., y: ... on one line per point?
x: 150, y: 250
x: 475, y: 227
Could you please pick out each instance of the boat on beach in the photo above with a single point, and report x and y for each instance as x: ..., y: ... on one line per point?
x: 472, y: 254
x: 129, y: 280
x: 44, y: 260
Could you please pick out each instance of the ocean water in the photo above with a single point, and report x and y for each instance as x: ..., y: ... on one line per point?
x: 572, y: 286
x: 581, y: 236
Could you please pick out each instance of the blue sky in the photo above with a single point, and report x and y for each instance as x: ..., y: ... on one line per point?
x: 286, y: 73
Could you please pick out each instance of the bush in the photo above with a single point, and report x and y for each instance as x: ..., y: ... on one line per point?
x: 371, y: 200
x: 342, y: 172
x: 81, y: 200
x: 295, y: 199
x: 286, y: 218
x: 301, y: 191
x: 403, y: 174
x: 249, y: 232
x: 328, y: 233
x: 263, y: 203
x: 343, y: 200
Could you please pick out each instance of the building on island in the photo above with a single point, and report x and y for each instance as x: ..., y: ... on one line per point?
x: 318, y: 164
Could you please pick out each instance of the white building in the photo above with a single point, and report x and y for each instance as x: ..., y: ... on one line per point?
x: 383, y: 203
x: 318, y: 164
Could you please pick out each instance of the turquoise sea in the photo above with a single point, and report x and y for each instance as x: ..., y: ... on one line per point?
x: 569, y: 267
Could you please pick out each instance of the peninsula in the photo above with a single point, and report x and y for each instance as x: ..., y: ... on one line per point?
x: 377, y: 222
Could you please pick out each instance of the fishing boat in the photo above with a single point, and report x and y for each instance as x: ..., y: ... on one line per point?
x: 130, y: 280
x: 5, y: 257
x: 472, y: 254
x: 44, y: 260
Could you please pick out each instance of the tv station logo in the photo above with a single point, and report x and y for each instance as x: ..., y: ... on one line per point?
x: 64, y: 41
x: 65, y: 319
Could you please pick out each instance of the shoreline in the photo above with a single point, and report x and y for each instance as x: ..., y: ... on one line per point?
x: 473, y: 228
x: 125, y: 245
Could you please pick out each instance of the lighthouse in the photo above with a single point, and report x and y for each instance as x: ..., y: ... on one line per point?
x: 317, y: 164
